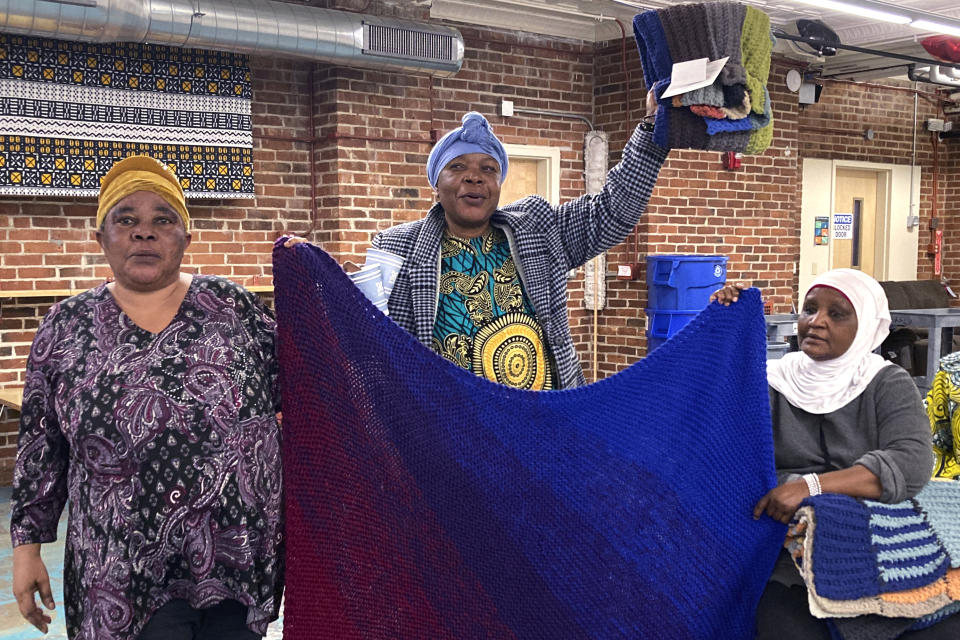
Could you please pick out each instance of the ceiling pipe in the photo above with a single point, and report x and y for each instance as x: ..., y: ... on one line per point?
x: 256, y: 27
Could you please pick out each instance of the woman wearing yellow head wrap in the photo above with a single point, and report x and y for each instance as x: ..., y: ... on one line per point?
x: 143, y: 229
x: 150, y: 407
x: 141, y: 173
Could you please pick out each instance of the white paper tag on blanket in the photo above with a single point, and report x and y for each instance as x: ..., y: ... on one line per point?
x: 693, y: 74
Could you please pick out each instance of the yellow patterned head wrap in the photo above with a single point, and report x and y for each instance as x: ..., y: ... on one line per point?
x: 141, y: 173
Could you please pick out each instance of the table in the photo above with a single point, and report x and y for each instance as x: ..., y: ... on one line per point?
x: 939, y: 324
x: 10, y: 398
x: 780, y: 326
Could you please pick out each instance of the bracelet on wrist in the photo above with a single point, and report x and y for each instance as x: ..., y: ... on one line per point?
x: 813, y: 484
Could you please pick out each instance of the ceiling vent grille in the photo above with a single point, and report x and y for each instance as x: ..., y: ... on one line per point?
x: 253, y: 27
x: 410, y: 44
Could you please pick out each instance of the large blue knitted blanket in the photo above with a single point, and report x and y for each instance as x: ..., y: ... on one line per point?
x: 425, y: 502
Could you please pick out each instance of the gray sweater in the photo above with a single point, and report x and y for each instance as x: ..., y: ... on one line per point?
x: 885, y: 429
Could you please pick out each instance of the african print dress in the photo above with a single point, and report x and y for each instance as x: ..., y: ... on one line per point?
x: 168, y: 448
x: 485, y: 321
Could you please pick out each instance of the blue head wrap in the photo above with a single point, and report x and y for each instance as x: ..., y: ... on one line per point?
x: 474, y: 136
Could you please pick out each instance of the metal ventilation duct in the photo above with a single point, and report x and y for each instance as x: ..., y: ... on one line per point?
x: 261, y: 27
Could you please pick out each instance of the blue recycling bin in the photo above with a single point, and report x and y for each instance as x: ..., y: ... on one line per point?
x: 678, y: 288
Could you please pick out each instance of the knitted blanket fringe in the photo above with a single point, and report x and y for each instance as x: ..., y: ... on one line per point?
x: 423, y: 501
x: 861, y: 557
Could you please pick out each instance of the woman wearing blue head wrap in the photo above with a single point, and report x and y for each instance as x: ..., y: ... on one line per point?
x: 485, y: 286
x: 473, y: 136
x: 468, y: 203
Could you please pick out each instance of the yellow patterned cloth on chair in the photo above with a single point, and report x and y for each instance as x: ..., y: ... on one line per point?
x: 942, y: 402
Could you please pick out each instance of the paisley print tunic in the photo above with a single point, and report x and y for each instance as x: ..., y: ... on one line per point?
x: 168, y: 448
x: 485, y: 321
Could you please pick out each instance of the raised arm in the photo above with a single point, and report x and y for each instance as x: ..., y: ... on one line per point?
x: 596, y: 222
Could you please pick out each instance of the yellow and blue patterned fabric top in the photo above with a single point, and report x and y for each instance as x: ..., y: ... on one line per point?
x: 943, y: 409
x: 485, y: 321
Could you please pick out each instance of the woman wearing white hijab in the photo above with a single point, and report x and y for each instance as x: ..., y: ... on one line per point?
x: 844, y: 421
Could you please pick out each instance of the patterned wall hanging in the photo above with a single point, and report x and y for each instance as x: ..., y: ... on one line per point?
x: 69, y: 110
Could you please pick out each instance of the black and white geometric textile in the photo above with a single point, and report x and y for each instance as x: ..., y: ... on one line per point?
x: 70, y: 110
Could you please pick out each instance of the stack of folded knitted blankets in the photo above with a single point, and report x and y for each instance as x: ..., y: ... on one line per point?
x: 875, y: 570
x: 733, y: 113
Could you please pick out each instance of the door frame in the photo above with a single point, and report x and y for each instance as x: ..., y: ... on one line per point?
x: 881, y: 218
x: 897, y: 258
x: 548, y: 166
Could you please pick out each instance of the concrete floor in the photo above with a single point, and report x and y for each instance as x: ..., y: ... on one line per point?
x: 12, y: 625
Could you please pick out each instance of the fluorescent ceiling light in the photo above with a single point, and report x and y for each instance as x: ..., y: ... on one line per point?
x: 936, y: 27
x: 887, y: 12
x: 634, y: 5
x: 865, y: 10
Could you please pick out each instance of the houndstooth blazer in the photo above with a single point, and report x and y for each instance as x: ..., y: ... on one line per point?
x: 546, y: 243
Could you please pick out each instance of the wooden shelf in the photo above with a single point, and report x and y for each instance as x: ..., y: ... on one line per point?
x: 11, y: 397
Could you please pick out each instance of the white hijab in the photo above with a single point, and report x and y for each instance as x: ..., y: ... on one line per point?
x: 827, y: 385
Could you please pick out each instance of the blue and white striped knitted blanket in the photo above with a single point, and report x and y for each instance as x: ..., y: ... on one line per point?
x: 861, y: 557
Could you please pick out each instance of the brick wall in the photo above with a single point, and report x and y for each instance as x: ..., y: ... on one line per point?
x: 752, y: 215
x: 369, y: 133
x: 18, y: 321
x: 950, y: 187
x: 48, y: 244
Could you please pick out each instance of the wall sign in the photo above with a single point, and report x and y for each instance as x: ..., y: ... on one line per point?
x: 843, y: 226
x: 821, y: 230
